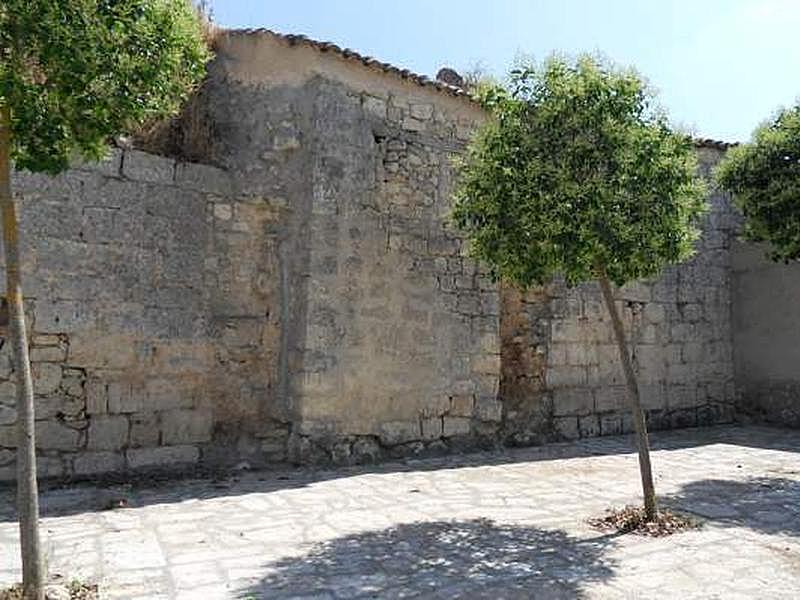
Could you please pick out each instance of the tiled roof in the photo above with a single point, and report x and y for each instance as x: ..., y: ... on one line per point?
x: 348, y: 54
x: 716, y: 144
x: 422, y: 80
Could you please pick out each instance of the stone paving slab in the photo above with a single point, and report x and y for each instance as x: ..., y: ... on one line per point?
x: 491, y: 525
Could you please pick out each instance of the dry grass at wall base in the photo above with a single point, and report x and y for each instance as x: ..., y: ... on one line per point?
x: 58, y: 589
x: 631, y: 519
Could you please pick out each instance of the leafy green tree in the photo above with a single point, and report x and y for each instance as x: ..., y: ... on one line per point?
x: 74, y: 73
x: 579, y: 174
x: 764, y: 178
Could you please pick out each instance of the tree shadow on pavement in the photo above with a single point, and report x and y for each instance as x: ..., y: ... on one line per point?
x: 765, y: 504
x: 461, y: 559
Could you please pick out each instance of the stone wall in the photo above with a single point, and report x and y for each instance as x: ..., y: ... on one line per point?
x: 766, y: 330
x: 562, y: 375
x: 153, y: 308
x: 305, y: 299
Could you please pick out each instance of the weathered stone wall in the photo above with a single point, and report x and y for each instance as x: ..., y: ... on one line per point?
x: 562, y: 376
x: 396, y: 344
x: 306, y: 299
x: 153, y: 309
x: 766, y: 330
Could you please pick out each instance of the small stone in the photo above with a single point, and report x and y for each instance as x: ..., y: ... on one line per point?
x: 56, y: 592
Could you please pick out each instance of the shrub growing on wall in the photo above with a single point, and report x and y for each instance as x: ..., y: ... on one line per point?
x: 579, y: 174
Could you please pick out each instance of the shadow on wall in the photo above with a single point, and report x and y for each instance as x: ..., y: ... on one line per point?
x: 461, y: 559
x: 765, y: 504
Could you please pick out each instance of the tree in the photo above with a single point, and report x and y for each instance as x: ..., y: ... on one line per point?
x: 578, y: 173
x: 764, y: 178
x: 74, y: 73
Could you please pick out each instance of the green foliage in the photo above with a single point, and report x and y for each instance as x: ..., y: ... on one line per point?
x: 577, y: 169
x: 77, y: 72
x: 764, y: 177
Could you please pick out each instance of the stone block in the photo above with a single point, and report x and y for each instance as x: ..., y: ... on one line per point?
x: 163, y: 456
x: 692, y: 352
x: 572, y: 402
x: 461, y: 405
x: 610, y: 398
x: 203, y: 178
x: 8, y: 436
x: 565, y: 330
x: 649, y: 363
x: 651, y: 396
x: 123, y: 398
x: 95, y: 463
x: 608, y: 373
x: 489, y: 409
x: 6, y: 457
x: 654, y: 313
x: 422, y: 112
x: 59, y: 406
x: 556, y: 377
x: 186, y: 426
x: 102, y: 350
x: 589, y: 426
x: 567, y: 427
x: 8, y: 393
x: 399, y: 432
x: 108, y: 432
x: 51, y: 435
x: 141, y: 166
x: 62, y: 316
x: 636, y: 291
x: 610, y: 425
x: 374, y: 106
x: 165, y: 394
x: 486, y: 364
x: 8, y: 415
x: 49, y: 467
x: 54, y: 354
x: 46, y: 377
x: 412, y: 124
x: 366, y: 451
x: 681, y: 396
x: 686, y: 417
x: 455, y: 426
x: 73, y: 381
x: 431, y: 428
x: 96, y: 397
x: 144, y: 430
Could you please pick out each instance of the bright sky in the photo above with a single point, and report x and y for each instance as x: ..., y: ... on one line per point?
x: 720, y: 66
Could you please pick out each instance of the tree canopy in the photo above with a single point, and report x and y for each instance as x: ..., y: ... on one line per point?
x: 76, y: 72
x: 578, y: 168
x: 764, y: 177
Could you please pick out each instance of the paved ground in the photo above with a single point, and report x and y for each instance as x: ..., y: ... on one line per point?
x: 492, y: 525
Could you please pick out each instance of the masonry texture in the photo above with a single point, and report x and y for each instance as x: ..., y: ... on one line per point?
x: 297, y: 293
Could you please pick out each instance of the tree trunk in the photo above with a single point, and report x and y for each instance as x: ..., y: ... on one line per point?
x: 27, y: 492
x: 642, y: 443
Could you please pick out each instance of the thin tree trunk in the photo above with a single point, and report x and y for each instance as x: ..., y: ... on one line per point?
x: 642, y: 443
x: 27, y: 492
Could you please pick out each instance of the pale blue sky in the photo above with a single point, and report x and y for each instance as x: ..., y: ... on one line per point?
x: 720, y: 66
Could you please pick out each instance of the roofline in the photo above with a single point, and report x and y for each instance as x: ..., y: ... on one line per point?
x: 352, y: 55
x: 715, y: 144
x: 421, y: 80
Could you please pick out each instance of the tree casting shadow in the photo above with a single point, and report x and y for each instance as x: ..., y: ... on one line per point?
x: 766, y: 504
x: 462, y: 559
